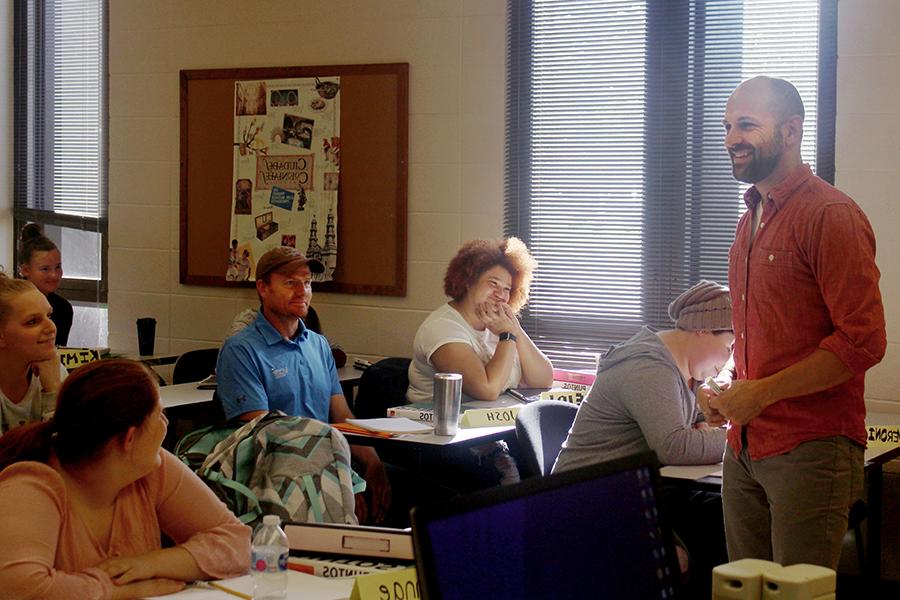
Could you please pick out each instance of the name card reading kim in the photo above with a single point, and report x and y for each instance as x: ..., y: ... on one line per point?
x: 292, y: 172
x: 75, y: 357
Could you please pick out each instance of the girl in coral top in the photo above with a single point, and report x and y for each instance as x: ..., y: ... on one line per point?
x: 85, y: 497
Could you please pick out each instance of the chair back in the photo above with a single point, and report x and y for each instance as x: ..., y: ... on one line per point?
x: 195, y: 365
x: 382, y: 386
x: 541, y: 429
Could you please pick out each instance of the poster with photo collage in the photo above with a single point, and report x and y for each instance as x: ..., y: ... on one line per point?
x: 287, y: 163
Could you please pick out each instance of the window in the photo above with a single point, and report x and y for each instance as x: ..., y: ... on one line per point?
x: 616, y: 173
x: 60, y: 145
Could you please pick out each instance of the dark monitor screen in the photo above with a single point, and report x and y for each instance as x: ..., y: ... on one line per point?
x: 588, y: 533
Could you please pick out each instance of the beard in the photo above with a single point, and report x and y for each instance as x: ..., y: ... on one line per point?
x: 763, y: 160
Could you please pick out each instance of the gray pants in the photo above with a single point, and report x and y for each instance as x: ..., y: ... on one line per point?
x: 791, y: 508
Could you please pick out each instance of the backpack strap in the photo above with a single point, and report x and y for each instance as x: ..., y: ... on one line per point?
x: 359, y: 484
x: 254, y: 511
x: 315, y: 500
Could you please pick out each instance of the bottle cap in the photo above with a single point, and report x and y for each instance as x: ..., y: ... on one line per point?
x: 271, y: 520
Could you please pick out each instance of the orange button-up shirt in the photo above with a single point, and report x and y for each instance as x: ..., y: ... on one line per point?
x: 808, y: 280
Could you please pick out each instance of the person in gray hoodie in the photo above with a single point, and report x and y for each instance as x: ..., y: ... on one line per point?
x: 643, y: 398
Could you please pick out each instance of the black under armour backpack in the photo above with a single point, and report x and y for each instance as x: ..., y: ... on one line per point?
x: 382, y: 386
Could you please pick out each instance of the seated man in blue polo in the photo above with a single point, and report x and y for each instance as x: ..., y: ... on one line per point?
x: 277, y: 363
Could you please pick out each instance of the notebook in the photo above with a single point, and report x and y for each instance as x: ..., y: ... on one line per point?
x: 595, y: 532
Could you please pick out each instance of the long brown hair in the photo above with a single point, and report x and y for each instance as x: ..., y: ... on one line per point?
x: 97, y: 402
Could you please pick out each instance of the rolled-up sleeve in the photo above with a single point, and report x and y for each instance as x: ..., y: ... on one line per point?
x: 199, y: 522
x: 848, y: 281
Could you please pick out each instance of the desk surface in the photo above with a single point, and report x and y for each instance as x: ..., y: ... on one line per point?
x: 875, y: 455
x: 463, y: 437
x: 184, y: 394
x: 300, y: 585
x: 181, y: 394
x: 159, y: 358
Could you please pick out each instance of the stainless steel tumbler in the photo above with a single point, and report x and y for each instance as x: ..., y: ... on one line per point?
x: 447, y: 397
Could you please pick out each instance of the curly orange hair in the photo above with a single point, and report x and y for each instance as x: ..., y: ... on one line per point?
x: 477, y: 256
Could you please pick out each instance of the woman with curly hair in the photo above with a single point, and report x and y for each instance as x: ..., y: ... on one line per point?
x: 477, y: 333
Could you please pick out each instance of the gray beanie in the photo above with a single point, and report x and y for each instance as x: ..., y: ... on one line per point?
x: 704, y: 307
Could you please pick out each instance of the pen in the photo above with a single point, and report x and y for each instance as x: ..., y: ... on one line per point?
x: 709, y: 381
x: 516, y: 394
x: 228, y: 590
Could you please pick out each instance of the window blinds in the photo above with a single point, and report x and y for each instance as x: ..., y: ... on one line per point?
x: 616, y: 174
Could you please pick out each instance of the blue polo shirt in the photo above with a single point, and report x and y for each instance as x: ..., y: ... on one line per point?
x: 260, y: 370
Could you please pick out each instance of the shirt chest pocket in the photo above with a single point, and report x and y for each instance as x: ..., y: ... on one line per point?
x: 771, y: 273
x: 765, y: 258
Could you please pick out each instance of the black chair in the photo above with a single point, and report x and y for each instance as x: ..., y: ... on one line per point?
x: 195, y: 365
x: 382, y: 386
x: 541, y: 429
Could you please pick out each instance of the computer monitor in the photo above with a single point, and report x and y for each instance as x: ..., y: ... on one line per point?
x: 595, y: 532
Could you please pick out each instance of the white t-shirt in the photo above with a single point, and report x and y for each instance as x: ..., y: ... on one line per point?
x: 443, y: 326
x: 35, y: 406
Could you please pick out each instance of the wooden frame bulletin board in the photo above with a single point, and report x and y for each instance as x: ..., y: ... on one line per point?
x: 372, y: 192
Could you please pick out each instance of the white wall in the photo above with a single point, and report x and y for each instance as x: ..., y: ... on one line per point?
x: 456, y: 55
x: 7, y: 237
x: 868, y: 156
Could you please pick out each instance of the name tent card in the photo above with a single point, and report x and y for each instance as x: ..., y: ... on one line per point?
x: 75, y: 357
x: 392, y: 585
x: 489, y: 417
x: 570, y: 396
x: 883, y: 435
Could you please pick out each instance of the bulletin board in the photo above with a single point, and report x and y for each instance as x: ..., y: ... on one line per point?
x: 371, y: 223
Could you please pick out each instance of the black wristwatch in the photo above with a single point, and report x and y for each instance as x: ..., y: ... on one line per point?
x: 507, y: 336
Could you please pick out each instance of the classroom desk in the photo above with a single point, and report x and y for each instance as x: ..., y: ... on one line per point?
x: 186, y: 394
x: 182, y: 394
x: 189, y: 407
x: 463, y: 438
x: 709, y: 477
x: 300, y: 586
x: 159, y: 358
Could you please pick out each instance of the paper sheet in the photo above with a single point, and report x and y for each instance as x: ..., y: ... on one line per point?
x: 392, y: 425
x: 300, y: 585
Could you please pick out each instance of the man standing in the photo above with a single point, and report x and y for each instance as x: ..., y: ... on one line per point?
x: 808, y: 323
x: 277, y: 363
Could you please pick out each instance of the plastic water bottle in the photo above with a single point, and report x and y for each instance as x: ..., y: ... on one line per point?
x: 269, y: 562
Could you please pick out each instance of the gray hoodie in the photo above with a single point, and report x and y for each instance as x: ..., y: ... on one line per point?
x: 638, y: 402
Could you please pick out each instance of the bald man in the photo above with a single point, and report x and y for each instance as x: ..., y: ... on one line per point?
x: 808, y: 323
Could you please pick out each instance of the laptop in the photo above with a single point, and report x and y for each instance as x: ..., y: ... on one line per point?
x: 595, y: 532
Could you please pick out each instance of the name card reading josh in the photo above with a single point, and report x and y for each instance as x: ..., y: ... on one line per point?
x: 490, y: 417
x: 393, y: 585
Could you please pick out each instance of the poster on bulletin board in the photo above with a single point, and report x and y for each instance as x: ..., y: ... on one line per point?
x: 265, y: 150
x: 286, y: 171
